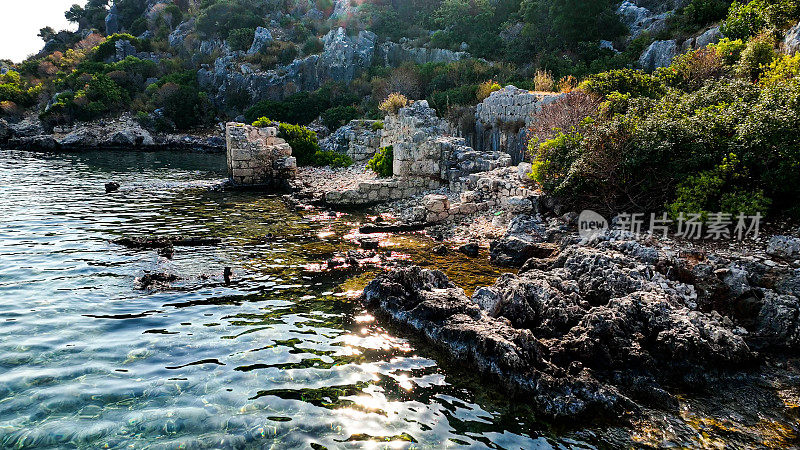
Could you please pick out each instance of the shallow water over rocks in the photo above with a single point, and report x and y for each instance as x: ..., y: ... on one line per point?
x: 280, y: 357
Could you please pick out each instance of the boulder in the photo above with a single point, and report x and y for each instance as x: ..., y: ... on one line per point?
x: 5, y: 131
x: 710, y: 36
x: 436, y: 203
x: 472, y: 250
x: 261, y: 40
x: 791, y: 41
x: 784, y: 247
x: 512, y: 251
x: 658, y: 54
x: 112, y: 20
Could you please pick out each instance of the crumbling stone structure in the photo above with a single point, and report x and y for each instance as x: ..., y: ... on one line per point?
x: 501, y: 121
x: 257, y: 157
x: 425, y: 158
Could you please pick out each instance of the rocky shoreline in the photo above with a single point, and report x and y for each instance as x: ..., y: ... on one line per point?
x: 606, y: 328
x: 120, y: 133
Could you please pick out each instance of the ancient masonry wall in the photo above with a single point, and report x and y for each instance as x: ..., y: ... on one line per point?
x: 257, y: 157
x: 506, y: 188
x: 501, y: 121
x: 424, y: 158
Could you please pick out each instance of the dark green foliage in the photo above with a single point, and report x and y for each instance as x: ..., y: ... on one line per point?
x: 460, y: 96
x: 757, y: 54
x: 108, y: 49
x: 241, y: 38
x: 338, y: 116
x: 130, y: 12
x: 330, y: 158
x: 746, y: 19
x: 313, y: 45
x: 625, y: 81
x: 303, y: 107
x: 220, y: 18
x: 179, y: 97
x: 92, y: 15
x: 383, y: 162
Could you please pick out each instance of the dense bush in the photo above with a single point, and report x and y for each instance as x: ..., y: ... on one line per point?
x: 14, y: 89
x: 730, y: 145
x: 757, y: 54
x: 442, y: 101
x: 781, y: 70
x: 624, y: 81
x: 240, y: 39
x: 691, y: 70
x: 486, y: 88
x: 749, y: 19
x: 220, y: 18
x: 330, y: 158
x: 303, y: 108
x: 383, y: 162
x: 339, y: 115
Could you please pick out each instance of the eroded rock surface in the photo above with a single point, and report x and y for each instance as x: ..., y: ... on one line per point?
x: 604, y: 327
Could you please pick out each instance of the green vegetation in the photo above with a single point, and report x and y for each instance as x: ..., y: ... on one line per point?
x: 382, y: 162
x: 305, y: 145
x: 697, y: 136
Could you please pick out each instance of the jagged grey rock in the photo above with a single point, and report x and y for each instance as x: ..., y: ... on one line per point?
x: 791, y: 41
x: 784, y: 246
x: 261, y: 40
x: 658, y: 54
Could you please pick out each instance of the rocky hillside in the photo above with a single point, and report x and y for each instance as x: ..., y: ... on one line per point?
x: 183, y: 63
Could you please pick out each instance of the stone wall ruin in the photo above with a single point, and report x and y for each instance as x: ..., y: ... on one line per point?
x: 257, y: 157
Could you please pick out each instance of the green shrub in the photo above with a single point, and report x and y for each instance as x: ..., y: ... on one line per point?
x: 377, y: 125
x: 485, y: 89
x: 756, y: 56
x: 240, y: 39
x: 781, y: 70
x: 625, y: 81
x: 691, y: 70
x: 330, y: 158
x: 300, y: 108
x: 383, y: 162
x: 719, y: 189
x: 460, y: 96
x: 220, y: 18
x: 749, y: 19
x: 313, y: 45
x: 339, y: 115
x: 729, y: 50
x: 552, y: 159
